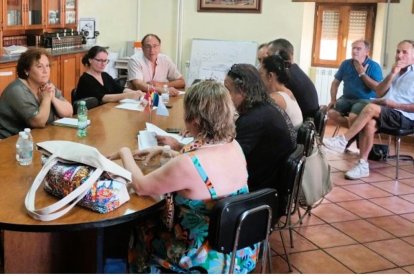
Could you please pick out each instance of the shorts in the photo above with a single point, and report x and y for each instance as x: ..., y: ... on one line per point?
x: 391, y: 119
x: 346, y: 106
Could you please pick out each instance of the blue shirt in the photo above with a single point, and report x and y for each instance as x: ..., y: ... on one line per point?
x: 354, y: 86
x: 402, y: 90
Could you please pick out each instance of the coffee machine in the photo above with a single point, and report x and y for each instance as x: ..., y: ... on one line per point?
x: 61, y: 39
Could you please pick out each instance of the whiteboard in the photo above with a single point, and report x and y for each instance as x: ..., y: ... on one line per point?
x: 212, y: 59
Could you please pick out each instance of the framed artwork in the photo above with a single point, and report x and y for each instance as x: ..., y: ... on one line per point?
x: 87, y: 25
x: 246, y: 6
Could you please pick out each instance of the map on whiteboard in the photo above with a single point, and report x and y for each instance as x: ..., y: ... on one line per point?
x: 212, y: 59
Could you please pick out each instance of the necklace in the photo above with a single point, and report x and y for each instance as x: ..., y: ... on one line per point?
x: 200, y: 143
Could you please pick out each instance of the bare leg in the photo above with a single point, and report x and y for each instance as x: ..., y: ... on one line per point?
x: 338, y: 118
x: 370, y: 111
x: 366, y: 139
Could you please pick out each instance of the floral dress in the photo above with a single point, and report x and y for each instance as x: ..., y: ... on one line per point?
x: 185, y: 249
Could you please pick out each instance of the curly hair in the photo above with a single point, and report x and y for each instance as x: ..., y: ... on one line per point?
x: 247, y: 81
x: 209, y: 105
x: 27, y: 59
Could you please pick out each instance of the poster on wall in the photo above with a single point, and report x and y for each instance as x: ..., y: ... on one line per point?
x: 88, y: 27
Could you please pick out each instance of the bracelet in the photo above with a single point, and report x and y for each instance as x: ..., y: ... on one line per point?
x: 362, y: 74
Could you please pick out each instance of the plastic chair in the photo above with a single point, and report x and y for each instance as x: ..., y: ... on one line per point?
x: 240, y: 221
x: 291, y: 179
x: 398, y: 133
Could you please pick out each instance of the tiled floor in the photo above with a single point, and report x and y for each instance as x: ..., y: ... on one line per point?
x: 363, y: 226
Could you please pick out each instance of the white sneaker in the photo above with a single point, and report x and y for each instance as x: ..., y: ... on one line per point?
x: 359, y: 171
x: 337, y: 143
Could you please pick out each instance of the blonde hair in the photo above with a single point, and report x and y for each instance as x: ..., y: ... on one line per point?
x: 209, y: 105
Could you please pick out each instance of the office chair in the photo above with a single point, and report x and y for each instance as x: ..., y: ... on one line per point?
x: 91, y: 102
x: 240, y: 221
x: 398, y: 133
x: 289, y: 194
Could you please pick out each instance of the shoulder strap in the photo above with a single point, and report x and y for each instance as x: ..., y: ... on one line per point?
x: 203, y: 175
x: 61, y: 207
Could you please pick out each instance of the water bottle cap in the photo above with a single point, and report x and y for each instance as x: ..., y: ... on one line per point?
x: 27, y: 130
x: 82, y: 103
x: 24, y: 136
x: 165, y: 86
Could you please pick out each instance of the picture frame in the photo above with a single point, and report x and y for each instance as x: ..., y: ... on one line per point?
x: 233, y: 6
x: 89, y: 25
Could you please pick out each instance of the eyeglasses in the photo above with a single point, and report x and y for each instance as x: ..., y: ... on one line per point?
x: 105, y: 61
x: 147, y: 46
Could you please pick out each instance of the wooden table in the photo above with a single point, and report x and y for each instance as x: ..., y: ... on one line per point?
x: 30, y: 245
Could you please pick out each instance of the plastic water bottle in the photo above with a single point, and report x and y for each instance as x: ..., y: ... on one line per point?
x: 24, y: 149
x: 82, y: 119
x: 165, y: 96
x: 28, y: 131
x: 166, y: 155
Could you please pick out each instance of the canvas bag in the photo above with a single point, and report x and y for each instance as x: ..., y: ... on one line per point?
x: 316, y: 180
x: 66, y: 153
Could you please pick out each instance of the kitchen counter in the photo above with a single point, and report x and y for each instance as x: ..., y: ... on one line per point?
x: 14, y: 58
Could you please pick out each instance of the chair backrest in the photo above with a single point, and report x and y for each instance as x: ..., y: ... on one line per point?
x: 320, y: 120
x: 121, y: 81
x: 91, y: 102
x: 250, y: 212
x: 306, y: 136
x: 290, y: 181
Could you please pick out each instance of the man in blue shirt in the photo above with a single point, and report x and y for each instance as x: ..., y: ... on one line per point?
x: 360, y: 75
x: 395, y: 110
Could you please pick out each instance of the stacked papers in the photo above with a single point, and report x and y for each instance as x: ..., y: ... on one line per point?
x: 68, y: 122
x: 146, y: 138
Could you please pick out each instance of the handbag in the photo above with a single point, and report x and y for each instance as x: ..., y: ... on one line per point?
x: 378, y: 152
x: 316, y: 180
x: 78, y: 174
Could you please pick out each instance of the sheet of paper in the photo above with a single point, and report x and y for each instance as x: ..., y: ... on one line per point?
x: 131, y: 106
x: 130, y: 101
x: 68, y: 122
x: 159, y: 131
x: 146, y: 139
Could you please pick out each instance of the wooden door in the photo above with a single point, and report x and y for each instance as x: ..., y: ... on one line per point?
x: 54, y: 72
x: 68, y: 75
x: 7, y: 75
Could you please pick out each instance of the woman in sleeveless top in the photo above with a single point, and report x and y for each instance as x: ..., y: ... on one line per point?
x: 199, y: 176
x: 274, y: 73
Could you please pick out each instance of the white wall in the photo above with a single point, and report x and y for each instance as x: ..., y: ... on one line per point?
x: 125, y: 20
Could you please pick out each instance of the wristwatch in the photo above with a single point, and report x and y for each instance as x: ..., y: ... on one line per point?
x: 360, y: 75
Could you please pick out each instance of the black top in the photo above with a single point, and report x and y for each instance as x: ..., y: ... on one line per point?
x: 267, y: 137
x: 88, y: 86
x: 304, y: 90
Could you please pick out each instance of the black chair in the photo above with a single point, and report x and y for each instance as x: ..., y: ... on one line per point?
x: 122, y: 81
x: 306, y: 137
x: 320, y: 119
x: 398, y: 133
x: 289, y: 194
x: 91, y: 102
x: 240, y: 221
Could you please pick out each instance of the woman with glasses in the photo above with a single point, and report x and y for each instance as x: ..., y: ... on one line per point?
x: 31, y: 101
x: 150, y: 70
x: 95, y: 82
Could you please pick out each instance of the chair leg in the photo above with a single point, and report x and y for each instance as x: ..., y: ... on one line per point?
x: 284, y: 249
x: 397, y: 149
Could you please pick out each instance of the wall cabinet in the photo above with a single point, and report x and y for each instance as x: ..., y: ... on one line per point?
x: 23, y: 14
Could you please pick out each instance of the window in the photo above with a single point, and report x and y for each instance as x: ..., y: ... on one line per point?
x: 337, y: 26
